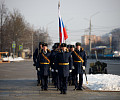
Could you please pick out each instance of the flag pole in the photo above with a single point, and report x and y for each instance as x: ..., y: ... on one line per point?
x: 58, y: 18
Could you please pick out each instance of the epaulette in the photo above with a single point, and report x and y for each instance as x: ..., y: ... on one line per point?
x: 56, y: 49
x: 48, y: 50
x: 59, y: 51
x: 67, y: 50
x: 82, y: 49
x: 40, y: 50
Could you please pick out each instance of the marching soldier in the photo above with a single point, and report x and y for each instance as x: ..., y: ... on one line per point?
x: 68, y: 46
x: 72, y: 47
x: 44, y: 66
x: 53, y: 67
x: 36, y: 62
x: 80, y: 62
x: 64, y: 63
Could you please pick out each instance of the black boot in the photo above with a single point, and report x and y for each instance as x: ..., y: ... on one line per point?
x: 38, y: 84
x: 61, y: 92
x: 64, y: 92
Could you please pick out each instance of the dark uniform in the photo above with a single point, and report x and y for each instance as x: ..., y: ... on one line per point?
x: 72, y: 74
x: 54, y: 69
x: 64, y: 63
x: 44, y: 67
x: 36, y: 62
x: 78, y: 57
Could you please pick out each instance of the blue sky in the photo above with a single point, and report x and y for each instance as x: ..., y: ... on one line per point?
x: 75, y: 14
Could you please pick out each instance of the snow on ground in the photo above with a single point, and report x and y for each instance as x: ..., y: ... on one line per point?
x: 107, y: 82
x: 11, y: 59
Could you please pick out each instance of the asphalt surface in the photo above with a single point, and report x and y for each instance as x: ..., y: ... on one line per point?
x: 18, y: 82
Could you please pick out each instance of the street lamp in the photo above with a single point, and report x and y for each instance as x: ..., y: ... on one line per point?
x: 90, y: 34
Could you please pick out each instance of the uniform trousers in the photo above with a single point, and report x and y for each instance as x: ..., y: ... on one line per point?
x: 63, y: 83
x: 79, y: 77
x: 44, y: 80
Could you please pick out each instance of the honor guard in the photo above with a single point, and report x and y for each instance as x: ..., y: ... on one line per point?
x: 44, y: 66
x: 64, y: 63
x: 79, y: 62
x: 72, y: 74
x: 54, y: 69
x: 36, y: 62
x: 68, y: 46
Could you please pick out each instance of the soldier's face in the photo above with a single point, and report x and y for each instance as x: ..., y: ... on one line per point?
x: 78, y: 47
x: 63, y: 48
x: 45, y: 48
x: 72, y: 49
x: 41, y: 46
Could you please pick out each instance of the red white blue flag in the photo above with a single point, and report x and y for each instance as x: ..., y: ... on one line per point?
x: 62, y: 31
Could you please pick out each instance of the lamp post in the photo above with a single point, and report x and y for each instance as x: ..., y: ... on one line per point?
x: 90, y: 34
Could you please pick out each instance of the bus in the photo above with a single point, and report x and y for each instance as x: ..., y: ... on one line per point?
x: 102, y: 52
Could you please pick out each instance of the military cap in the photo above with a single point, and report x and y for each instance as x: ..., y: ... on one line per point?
x: 72, y: 46
x: 68, y: 46
x: 56, y: 45
x: 40, y: 43
x: 63, y: 45
x: 78, y: 44
x: 44, y: 44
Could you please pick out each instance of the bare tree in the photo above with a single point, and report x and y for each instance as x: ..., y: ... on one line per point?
x: 3, y: 15
x: 15, y: 28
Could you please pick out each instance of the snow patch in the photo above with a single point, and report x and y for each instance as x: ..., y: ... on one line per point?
x: 107, y: 82
x: 11, y: 59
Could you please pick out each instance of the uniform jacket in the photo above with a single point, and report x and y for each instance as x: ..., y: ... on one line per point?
x: 52, y: 59
x: 64, y: 57
x: 43, y: 63
x: 36, y: 58
x: 78, y: 65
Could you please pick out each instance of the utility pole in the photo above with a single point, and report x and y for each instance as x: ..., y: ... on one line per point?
x: 32, y: 43
x: 90, y: 34
x: 110, y: 37
x: 90, y: 40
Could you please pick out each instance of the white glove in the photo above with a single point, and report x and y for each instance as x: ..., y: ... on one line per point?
x: 70, y: 71
x: 52, y: 70
x: 56, y: 70
x: 73, y: 67
x: 83, y: 67
x: 38, y: 69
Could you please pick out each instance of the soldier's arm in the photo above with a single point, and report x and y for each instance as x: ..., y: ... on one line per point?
x: 35, y: 54
x: 56, y: 61
x: 85, y: 60
x: 70, y: 62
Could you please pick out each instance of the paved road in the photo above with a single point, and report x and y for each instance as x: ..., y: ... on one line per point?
x: 18, y: 82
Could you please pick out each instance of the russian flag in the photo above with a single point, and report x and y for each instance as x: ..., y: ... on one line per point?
x: 62, y: 31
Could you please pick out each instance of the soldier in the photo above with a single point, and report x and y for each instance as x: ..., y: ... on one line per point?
x: 44, y: 66
x: 53, y: 67
x: 68, y: 46
x: 80, y: 62
x: 64, y: 63
x: 72, y: 47
x: 36, y: 62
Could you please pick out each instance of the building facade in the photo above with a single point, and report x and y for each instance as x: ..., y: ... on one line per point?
x: 94, y: 39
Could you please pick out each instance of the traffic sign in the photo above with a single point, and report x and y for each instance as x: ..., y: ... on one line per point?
x: 20, y: 47
x: 13, y: 45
